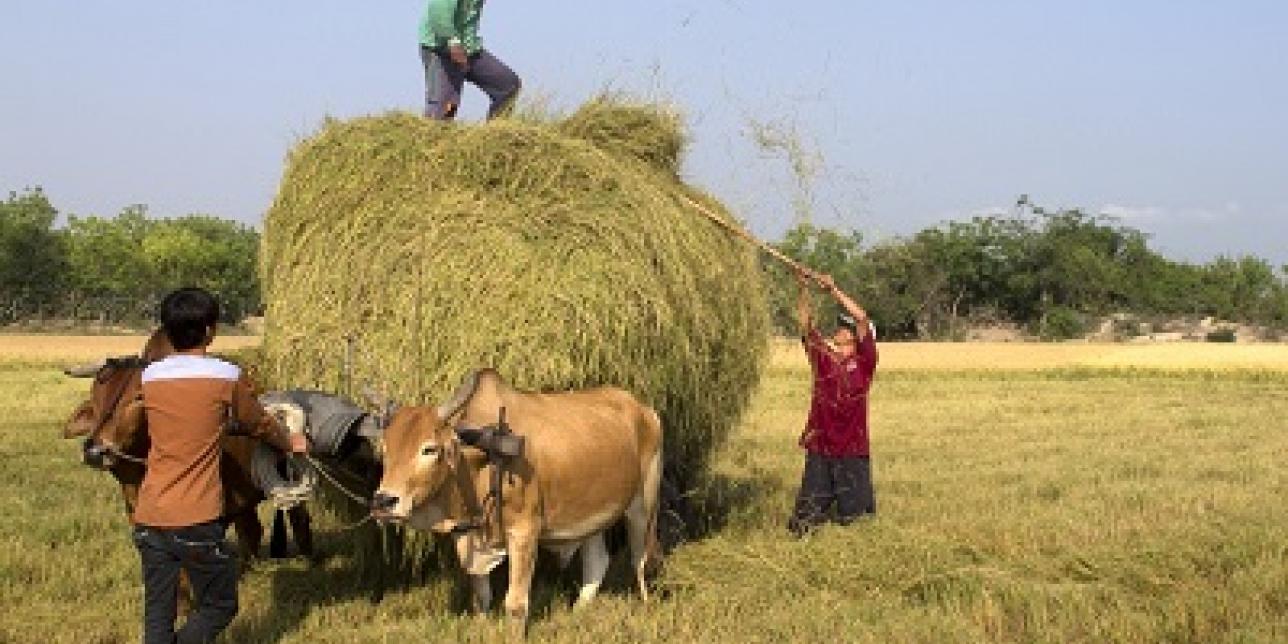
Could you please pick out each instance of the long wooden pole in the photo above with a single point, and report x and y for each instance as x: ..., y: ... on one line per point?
x: 749, y: 238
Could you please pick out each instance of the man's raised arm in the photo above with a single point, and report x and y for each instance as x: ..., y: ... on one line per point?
x: 804, y: 306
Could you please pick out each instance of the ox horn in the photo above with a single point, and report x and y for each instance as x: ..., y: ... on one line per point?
x: 461, y: 396
x: 85, y: 370
x: 373, y: 398
x: 383, y: 406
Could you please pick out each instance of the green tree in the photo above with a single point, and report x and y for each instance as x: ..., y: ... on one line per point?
x: 834, y: 252
x: 132, y: 256
x: 32, y: 262
x: 105, y: 255
x: 1051, y: 271
x: 904, y: 291
x: 200, y: 250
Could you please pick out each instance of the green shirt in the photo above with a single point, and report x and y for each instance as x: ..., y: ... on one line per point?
x: 452, y: 22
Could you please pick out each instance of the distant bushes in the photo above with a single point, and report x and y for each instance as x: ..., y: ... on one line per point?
x: 1061, y: 323
x: 1048, y: 272
x: 113, y: 267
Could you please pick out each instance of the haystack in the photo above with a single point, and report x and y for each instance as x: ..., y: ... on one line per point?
x: 555, y: 251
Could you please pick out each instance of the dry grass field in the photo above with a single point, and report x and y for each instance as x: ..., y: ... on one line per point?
x: 47, y: 349
x: 1027, y: 493
x: 1006, y: 356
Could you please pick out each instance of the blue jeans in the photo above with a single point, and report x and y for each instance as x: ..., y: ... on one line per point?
x: 211, y: 563
x: 444, y: 81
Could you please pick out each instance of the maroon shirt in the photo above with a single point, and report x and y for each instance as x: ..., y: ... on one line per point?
x: 838, y: 413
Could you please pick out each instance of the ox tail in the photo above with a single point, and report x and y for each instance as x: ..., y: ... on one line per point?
x: 652, y: 495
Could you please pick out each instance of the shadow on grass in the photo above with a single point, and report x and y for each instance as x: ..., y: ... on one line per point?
x: 714, y: 505
x: 371, y: 562
x: 351, y: 565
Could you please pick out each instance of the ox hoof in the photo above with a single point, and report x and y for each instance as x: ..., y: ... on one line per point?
x: 516, y: 626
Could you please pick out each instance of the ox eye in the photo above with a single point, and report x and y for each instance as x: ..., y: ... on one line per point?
x: 429, y: 450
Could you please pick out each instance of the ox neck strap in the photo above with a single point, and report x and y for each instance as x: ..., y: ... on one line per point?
x: 500, y: 445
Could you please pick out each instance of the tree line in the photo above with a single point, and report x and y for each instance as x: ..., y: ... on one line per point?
x: 115, y: 268
x: 1052, y: 273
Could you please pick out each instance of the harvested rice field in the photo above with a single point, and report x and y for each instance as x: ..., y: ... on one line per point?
x: 1050, y: 499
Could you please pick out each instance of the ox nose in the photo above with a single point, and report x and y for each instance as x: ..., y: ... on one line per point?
x: 96, y: 455
x: 383, y: 502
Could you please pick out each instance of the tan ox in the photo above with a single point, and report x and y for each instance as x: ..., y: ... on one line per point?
x: 591, y: 458
x: 113, y: 422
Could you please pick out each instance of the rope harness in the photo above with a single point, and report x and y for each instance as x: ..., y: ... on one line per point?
x: 290, y: 482
x: 500, y: 445
x: 286, y: 483
x: 94, y: 453
x: 300, y: 482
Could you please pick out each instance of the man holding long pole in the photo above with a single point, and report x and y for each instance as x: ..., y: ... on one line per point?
x: 452, y: 53
x: 837, y: 468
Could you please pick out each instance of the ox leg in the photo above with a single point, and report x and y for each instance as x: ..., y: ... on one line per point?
x: 565, y: 553
x: 594, y: 563
x: 301, y: 530
x: 481, y: 592
x: 250, y: 534
x: 522, y: 550
x: 480, y: 585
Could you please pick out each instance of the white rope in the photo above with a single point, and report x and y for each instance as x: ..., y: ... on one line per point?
x: 320, y: 469
x: 284, y: 492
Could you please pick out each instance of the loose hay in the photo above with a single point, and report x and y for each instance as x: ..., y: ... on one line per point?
x: 556, y: 252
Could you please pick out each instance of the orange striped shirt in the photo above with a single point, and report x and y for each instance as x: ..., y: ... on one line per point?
x: 188, y: 399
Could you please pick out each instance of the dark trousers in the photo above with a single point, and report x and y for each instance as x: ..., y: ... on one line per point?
x: 842, y: 484
x: 211, y: 563
x: 444, y: 81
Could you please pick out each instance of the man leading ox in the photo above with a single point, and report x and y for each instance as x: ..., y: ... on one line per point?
x: 187, y: 398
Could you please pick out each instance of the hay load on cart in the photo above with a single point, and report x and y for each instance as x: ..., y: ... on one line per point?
x: 403, y: 253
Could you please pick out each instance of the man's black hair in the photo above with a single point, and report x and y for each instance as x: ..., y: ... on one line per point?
x: 187, y: 315
x: 847, y: 321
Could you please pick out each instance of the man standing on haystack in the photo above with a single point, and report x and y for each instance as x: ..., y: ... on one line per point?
x: 837, y: 469
x: 453, y: 53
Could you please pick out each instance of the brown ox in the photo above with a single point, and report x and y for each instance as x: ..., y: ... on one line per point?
x: 113, y: 422
x: 591, y: 458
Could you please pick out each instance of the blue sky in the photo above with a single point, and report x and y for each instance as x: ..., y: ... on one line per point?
x: 1171, y: 115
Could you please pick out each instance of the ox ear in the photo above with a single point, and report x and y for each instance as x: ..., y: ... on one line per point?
x: 81, y: 422
x: 157, y: 347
